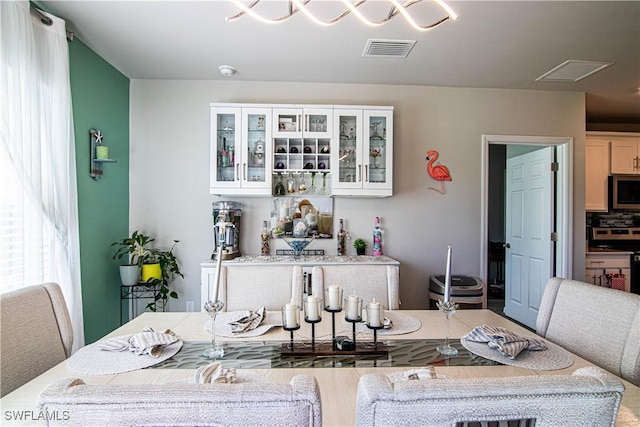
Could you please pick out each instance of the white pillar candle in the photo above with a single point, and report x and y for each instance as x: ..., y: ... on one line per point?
x: 373, y: 313
x: 290, y: 315
x: 313, y: 312
x: 334, y: 297
x: 352, y: 307
x: 447, y: 276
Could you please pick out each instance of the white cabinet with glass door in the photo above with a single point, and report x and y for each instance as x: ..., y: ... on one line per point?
x: 240, y: 147
x: 302, y: 122
x: 363, y: 158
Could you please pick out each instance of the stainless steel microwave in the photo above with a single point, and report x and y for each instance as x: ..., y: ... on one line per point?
x: 625, y: 192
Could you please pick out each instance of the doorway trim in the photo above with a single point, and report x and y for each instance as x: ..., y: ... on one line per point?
x: 563, y: 206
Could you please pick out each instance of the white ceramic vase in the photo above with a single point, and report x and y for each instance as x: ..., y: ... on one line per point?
x: 129, y: 275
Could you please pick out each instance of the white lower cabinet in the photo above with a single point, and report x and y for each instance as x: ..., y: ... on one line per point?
x: 601, y: 268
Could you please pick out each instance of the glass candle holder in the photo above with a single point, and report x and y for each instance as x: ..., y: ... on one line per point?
x: 333, y: 298
x: 375, y: 315
x: 353, y: 304
x: 312, y: 308
x: 290, y: 317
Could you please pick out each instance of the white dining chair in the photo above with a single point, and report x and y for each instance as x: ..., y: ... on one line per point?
x: 367, y: 281
x: 601, y: 325
x: 589, y: 397
x: 245, y: 287
x: 35, y: 333
x: 257, y: 403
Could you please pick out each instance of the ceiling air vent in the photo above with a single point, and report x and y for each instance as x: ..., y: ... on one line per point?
x: 388, y: 48
x: 573, y: 71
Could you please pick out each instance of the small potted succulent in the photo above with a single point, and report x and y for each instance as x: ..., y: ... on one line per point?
x: 360, y: 246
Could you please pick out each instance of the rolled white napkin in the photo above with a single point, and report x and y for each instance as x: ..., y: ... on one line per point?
x: 213, y: 373
x: 509, y: 344
x: 145, y: 342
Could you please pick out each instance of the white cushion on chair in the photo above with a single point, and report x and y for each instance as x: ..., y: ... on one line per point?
x: 599, y: 324
x: 588, y: 397
x: 180, y: 404
x: 368, y: 281
x: 35, y: 333
x: 246, y: 287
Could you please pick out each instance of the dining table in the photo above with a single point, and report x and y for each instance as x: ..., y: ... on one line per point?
x: 337, y: 375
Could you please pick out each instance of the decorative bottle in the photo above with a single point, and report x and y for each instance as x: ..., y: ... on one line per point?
x: 264, y: 237
x: 377, y: 238
x: 342, y: 235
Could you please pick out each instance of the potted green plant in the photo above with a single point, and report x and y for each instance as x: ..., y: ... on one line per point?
x: 360, y: 246
x: 134, y: 248
x: 169, y: 270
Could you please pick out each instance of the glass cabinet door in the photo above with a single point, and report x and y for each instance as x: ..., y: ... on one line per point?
x: 348, y: 158
x: 317, y: 122
x: 225, y: 141
x: 378, y: 154
x: 287, y: 123
x: 256, y: 157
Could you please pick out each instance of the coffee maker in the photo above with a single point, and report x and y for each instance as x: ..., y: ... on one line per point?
x: 226, y: 220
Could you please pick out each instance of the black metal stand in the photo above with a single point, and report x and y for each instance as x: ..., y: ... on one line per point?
x: 333, y: 312
x: 375, y: 333
x: 353, y: 324
x: 291, y: 330
x: 313, y: 330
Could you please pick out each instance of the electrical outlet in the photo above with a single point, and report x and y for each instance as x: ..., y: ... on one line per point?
x: 189, y: 305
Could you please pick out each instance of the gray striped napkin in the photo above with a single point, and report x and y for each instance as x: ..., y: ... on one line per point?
x: 213, y: 373
x: 145, y: 342
x: 249, y: 322
x: 508, y: 343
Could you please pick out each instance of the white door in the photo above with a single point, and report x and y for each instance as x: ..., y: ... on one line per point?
x: 528, y: 227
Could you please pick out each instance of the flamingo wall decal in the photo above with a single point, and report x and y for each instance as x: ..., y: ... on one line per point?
x: 438, y: 172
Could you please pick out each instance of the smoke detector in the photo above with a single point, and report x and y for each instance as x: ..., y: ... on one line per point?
x: 227, y: 70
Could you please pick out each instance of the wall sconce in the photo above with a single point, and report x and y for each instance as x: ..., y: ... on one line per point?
x: 98, y: 154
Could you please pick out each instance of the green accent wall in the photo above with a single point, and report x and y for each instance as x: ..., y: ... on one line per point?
x: 100, y: 96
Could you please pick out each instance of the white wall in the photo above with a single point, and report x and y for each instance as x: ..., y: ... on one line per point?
x: 170, y: 169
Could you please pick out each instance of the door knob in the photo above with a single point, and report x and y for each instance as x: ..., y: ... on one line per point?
x: 506, y: 245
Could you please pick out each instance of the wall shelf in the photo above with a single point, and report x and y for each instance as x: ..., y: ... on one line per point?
x: 95, y: 163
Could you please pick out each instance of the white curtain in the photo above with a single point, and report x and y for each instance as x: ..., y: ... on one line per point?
x: 38, y: 194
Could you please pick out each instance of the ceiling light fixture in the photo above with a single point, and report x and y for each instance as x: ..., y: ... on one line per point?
x: 302, y: 5
x: 227, y: 70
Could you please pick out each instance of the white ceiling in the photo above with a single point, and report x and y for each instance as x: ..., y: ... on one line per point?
x: 502, y: 44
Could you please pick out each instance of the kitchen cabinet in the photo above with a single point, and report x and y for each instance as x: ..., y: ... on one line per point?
x: 336, y: 150
x: 240, y: 150
x: 363, y: 157
x: 601, y: 266
x: 302, y: 122
x: 625, y: 151
x: 596, y: 174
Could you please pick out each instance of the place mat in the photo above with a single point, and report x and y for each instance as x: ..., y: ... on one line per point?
x: 401, y: 323
x: 554, y: 357
x: 223, y: 328
x: 91, y: 360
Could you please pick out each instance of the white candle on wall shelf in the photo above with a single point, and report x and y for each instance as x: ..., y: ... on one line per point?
x: 447, y: 276
x: 334, y: 297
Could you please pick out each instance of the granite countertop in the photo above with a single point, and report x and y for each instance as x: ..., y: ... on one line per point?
x: 307, y: 259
